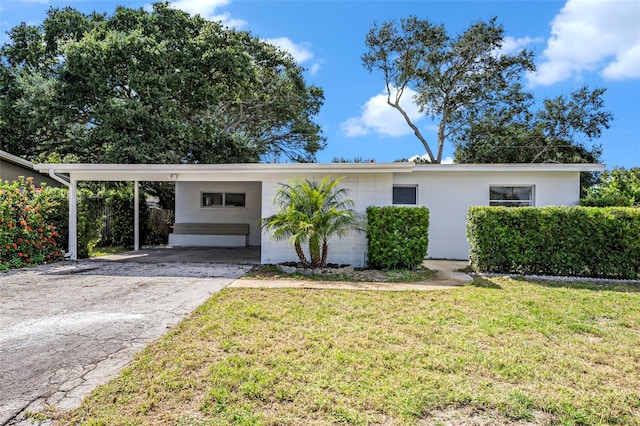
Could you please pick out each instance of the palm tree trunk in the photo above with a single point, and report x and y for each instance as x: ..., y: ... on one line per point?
x: 325, y: 251
x: 314, y: 251
x: 300, y: 254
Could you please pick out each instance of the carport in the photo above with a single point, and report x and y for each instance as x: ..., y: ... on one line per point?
x: 71, y: 174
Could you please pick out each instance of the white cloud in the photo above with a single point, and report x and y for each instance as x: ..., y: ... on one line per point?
x: 625, y: 66
x: 207, y: 9
x: 378, y: 117
x: 512, y: 45
x: 300, y: 52
x: 592, y: 35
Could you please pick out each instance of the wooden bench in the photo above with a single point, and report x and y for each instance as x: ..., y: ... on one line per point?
x: 211, y: 228
x: 209, y: 235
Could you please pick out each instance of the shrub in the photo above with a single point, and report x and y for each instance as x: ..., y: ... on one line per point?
x: 25, y: 236
x: 120, y: 201
x: 90, y: 220
x: 617, y: 187
x: 55, y: 203
x: 571, y: 241
x: 397, y: 236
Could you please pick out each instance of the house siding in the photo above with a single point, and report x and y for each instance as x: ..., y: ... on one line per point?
x: 188, y: 209
x: 449, y: 194
x: 365, y: 189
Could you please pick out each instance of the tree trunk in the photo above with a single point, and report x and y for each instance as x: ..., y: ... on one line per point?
x: 314, y: 251
x: 396, y: 104
x: 325, y: 251
x: 300, y: 254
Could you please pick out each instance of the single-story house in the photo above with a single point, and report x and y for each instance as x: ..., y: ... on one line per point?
x: 222, y: 204
x: 12, y: 168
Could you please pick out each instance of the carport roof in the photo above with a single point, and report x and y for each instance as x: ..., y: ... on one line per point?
x: 248, y: 172
x: 209, y: 172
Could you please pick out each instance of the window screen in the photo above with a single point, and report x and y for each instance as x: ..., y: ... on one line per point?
x: 511, y: 196
x: 405, y: 195
x: 223, y: 199
x: 234, y: 199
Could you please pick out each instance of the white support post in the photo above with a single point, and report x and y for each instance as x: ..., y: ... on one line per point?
x: 73, y: 220
x: 136, y: 216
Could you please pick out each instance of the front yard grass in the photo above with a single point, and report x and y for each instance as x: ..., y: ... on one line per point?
x: 497, y: 352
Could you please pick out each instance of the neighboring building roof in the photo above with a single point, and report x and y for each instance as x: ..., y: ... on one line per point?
x: 12, y: 167
x: 246, y: 172
x: 15, y: 160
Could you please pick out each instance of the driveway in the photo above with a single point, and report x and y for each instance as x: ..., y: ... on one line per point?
x: 68, y: 327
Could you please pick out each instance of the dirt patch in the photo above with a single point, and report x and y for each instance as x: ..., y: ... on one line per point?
x: 472, y: 416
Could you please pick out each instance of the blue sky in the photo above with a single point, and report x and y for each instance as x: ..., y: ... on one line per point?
x: 575, y: 42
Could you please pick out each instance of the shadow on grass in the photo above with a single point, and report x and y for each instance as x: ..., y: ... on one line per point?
x: 622, y: 287
x: 484, y: 282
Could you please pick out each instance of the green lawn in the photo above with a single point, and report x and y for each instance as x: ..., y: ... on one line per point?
x: 500, y: 350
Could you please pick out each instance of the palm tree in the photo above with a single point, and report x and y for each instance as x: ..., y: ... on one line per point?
x: 312, y: 212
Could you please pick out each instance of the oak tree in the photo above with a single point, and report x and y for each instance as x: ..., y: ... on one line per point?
x: 156, y: 86
x: 561, y: 130
x: 448, y: 74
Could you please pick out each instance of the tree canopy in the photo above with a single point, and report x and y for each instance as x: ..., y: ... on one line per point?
x: 152, y: 86
x: 556, y: 132
x: 474, y: 91
x: 617, y: 187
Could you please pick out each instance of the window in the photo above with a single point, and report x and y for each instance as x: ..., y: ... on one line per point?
x: 405, y: 194
x: 223, y: 199
x: 511, y: 196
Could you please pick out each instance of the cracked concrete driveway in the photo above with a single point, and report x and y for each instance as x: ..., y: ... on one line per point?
x: 66, y: 328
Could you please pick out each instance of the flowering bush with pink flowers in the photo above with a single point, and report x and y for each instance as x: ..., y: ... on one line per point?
x: 26, y: 237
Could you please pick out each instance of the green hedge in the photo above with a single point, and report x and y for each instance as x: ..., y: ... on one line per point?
x: 120, y: 201
x: 397, y: 236
x: 563, y: 241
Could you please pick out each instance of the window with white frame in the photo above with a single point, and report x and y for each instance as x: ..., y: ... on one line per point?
x: 511, y: 196
x: 405, y: 194
x: 223, y: 199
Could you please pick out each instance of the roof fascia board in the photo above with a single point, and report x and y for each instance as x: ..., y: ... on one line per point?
x: 512, y: 167
x: 168, y: 172
x: 227, y: 172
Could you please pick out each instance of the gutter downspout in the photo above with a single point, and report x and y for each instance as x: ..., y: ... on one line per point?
x: 73, y: 211
x: 53, y: 175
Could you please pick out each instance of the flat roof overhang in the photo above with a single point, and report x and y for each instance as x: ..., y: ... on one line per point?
x: 210, y: 172
x: 512, y: 167
x: 248, y: 172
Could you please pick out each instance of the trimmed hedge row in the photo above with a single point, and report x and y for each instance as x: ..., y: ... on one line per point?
x: 562, y: 241
x: 398, y: 237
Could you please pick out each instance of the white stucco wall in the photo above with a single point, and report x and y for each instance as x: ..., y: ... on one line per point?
x: 188, y: 208
x: 365, y: 189
x: 449, y: 194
